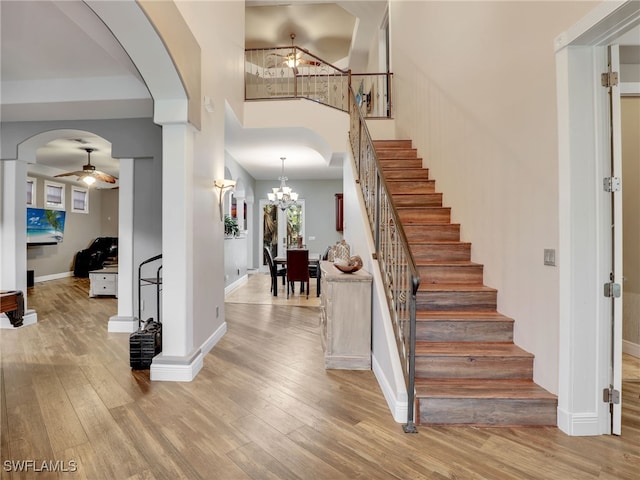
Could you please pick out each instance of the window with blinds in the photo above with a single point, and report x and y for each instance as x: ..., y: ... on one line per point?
x: 54, y: 195
x: 79, y: 200
x: 31, y: 192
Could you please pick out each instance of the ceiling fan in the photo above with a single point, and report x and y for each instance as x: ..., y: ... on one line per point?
x: 89, y: 174
x: 293, y: 59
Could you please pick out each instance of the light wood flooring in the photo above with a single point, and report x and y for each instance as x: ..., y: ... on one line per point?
x: 263, y: 407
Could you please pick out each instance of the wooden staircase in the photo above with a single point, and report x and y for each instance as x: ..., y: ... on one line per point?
x: 468, y: 370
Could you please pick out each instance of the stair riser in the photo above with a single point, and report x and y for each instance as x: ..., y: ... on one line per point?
x: 399, y: 188
x: 421, y: 216
x: 400, y: 164
x: 412, y: 174
x: 392, y: 144
x: 484, y: 301
x: 464, y: 331
x: 484, y: 411
x: 418, y: 200
x: 446, y: 251
x: 454, y: 274
x: 493, y: 367
x: 432, y: 233
x: 396, y: 153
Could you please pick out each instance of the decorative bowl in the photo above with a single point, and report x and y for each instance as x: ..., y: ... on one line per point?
x: 354, y: 264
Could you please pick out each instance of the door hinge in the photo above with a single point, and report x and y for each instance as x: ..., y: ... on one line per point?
x: 612, y: 289
x: 609, y: 79
x: 611, y: 184
x: 611, y: 395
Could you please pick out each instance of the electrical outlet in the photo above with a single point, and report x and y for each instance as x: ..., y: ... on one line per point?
x: 550, y: 257
x: 311, y: 237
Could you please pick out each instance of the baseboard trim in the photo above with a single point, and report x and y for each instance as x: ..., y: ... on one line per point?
x: 122, y: 324
x: 398, y: 406
x: 578, y: 424
x: 632, y: 349
x: 53, y: 276
x: 231, y: 287
x: 215, y: 337
x: 30, y: 317
x: 165, y: 368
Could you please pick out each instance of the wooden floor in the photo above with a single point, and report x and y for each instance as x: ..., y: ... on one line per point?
x: 263, y: 407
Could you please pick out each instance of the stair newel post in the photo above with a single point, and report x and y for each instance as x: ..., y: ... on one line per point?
x: 378, y: 201
x: 410, y: 426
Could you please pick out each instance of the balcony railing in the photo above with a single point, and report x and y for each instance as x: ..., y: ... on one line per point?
x: 397, y: 266
x: 292, y: 72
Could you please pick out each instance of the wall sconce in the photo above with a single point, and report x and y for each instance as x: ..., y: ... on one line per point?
x: 223, y: 185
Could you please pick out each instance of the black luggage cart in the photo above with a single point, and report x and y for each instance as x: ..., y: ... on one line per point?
x: 146, y: 342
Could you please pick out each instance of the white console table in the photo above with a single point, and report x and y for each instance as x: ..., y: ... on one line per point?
x: 103, y: 282
x: 345, y: 318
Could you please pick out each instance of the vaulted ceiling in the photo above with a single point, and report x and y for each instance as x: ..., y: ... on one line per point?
x: 58, y: 61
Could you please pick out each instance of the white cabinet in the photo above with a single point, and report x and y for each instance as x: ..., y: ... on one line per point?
x: 103, y: 282
x: 345, y: 318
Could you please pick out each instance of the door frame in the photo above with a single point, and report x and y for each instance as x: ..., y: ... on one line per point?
x: 585, y: 349
x: 281, y: 230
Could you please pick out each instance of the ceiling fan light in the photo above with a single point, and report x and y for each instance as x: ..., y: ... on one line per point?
x: 292, y: 62
x: 89, y: 180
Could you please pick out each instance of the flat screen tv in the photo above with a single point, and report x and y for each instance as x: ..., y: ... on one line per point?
x: 45, y: 227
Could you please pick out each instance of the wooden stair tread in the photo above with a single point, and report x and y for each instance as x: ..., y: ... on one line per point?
x: 420, y: 209
x: 438, y: 242
x: 481, y: 388
x: 460, y: 316
x: 471, y: 349
x: 409, y: 173
x: 388, y: 141
x: 446, y: 263
x: 454, y: 287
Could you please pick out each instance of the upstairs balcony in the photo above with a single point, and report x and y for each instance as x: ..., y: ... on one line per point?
x: 292, y: 72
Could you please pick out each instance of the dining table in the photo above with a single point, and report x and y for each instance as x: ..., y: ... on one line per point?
x: 314, y: 259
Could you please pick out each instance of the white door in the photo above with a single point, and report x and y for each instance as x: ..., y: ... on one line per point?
x: 616, y: 239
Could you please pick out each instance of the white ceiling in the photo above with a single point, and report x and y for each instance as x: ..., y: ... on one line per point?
x: 58, y: 61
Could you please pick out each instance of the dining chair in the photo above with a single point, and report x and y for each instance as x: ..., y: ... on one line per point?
x: 314, y: 270
x: 274, y: 271
x: 297, y: 268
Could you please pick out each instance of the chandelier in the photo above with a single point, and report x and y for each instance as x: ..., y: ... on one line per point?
x: 283, y: 197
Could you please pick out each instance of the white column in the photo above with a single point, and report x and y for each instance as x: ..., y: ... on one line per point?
x: 125, y: 320
x: 13, y: 234
x: 179, y: 361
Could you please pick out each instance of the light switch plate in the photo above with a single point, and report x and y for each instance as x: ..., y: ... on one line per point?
x: 550, y: 257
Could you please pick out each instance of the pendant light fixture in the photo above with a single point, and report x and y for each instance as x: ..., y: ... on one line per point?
x: 283, y: 197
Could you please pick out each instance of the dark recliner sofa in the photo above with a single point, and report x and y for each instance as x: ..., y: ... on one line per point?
x: 93, y: 258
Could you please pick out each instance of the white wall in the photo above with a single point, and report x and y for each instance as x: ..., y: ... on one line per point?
x: 475, y: 91
x: 237, y: 250
x: 219, y: 30
x: 385, y: 358
x: 631, y: 221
